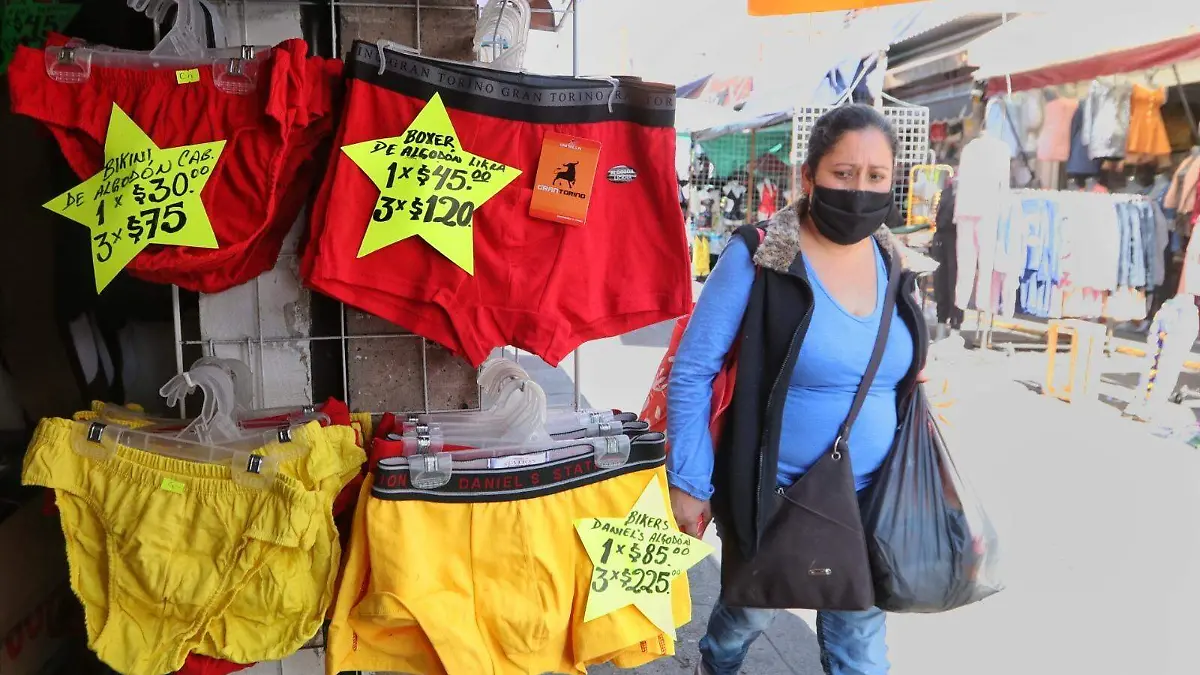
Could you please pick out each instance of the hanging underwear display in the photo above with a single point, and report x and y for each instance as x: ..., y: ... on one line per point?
x: 170, y: 556
x: 259, y: 185
x: 542, y: 286
x: 484, y: 574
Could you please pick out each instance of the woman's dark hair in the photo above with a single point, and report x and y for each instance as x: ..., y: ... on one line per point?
x: 829, y: 129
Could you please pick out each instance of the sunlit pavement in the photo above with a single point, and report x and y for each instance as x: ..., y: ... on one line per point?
x: 1097, y: 519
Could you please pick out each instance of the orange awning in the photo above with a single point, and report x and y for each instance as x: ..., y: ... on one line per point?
x: 778, y: 7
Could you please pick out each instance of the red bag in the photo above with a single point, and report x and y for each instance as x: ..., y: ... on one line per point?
x: 655, y: 409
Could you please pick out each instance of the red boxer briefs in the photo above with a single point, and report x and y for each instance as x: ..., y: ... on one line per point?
x: 261, y: 181
x: 542, y: 286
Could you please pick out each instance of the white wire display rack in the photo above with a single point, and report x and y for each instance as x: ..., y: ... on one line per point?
x: 189, y: 342
x: 910, y: 122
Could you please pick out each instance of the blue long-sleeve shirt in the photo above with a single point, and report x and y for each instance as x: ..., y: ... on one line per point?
x: 830, y: 366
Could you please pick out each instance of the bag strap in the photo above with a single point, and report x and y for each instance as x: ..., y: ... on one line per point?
x: 753, y: 235
x: 885, y: 324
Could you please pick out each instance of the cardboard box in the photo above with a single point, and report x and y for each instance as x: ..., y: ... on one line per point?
x: 53, y: 626
x: 33, y: 563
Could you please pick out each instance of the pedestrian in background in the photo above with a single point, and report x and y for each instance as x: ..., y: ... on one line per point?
x: 824, y: 280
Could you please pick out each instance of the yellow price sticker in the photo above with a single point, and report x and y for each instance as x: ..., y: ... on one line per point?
x: 429, y: 186
x: 172, y: 485
x: 144, y: 195
x: 636, y: 559
x: 187, y: 76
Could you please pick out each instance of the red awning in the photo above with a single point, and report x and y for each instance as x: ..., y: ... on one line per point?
x: 1155, y: 55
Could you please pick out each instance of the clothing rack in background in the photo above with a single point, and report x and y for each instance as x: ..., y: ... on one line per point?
x: 986, y: 317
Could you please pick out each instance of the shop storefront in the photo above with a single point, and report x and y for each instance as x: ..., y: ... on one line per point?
x: 347, y: 213
x: 1077, y: 199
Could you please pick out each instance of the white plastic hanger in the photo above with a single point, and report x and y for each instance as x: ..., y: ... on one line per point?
x: 239, y: 372
x: 430, y: 468
x: 183, y: 47
x: 245, y: 453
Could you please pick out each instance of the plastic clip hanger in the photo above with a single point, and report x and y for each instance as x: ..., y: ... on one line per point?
x: 251, y: 468
x: 519, y: 413
x: 429, y: 469
x: 239, y: 372
x: 215, y: 422
x: 457, y: 434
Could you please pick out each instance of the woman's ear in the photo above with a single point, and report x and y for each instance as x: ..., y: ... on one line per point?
x: 806, y: 179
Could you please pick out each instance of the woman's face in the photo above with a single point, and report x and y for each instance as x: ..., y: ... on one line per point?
x: 860, y: 160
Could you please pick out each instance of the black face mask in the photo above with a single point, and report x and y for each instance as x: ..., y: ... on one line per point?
x: 848, y: 216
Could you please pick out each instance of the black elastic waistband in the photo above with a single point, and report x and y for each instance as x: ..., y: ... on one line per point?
x: 392, y: 482
x: 539, y: 99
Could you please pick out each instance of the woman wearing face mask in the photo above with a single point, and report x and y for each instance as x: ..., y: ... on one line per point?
x: 824, y: 264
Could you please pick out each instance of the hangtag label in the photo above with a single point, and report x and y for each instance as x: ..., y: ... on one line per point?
x: 187, y: 76
x: 636, y: 559
x: 513, y: 461
x: 566, y: 173
x: 172, y: 485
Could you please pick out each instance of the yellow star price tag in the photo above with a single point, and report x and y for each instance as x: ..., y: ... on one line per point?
x: 144, y: 195
x: 428, y: 186
x: 636, y: 558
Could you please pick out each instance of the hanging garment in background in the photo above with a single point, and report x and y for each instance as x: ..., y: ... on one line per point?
x: 1049, y: 174
x: 1183, y: 183
x: 768, y: 199
x: 733, y: 203
x: 1131, y: 271
x: 1033, y: 104
x: 944, y: 249
x: 1011, y: 246
x: 1125, y: 304
x: 1079, y: 162
x: 983, y: 178
x: 700, y: 253
x: 1038, y: 223
x: 1054, y: 142
x: 1097, y: 243
x: 1147, y: 132
x: 1106, y: 120
x: 1003, y: 122
x: 1181, y: 197
x: 983, y: 183
x: 976, y: 252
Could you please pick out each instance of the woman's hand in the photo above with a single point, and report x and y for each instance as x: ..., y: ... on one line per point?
x: 691, y: 514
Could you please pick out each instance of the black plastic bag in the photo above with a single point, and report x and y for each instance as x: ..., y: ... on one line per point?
x: 932, y: 547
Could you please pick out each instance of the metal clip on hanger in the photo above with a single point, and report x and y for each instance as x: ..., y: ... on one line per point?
x: 238, y: 75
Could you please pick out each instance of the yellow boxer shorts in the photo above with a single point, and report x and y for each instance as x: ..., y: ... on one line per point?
x: 487, y: 587
x: 170, y: 556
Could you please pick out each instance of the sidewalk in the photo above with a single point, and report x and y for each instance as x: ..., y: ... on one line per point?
x: 1095, y: 516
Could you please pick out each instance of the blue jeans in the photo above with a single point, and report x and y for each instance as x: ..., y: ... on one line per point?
x: 852, y: 643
